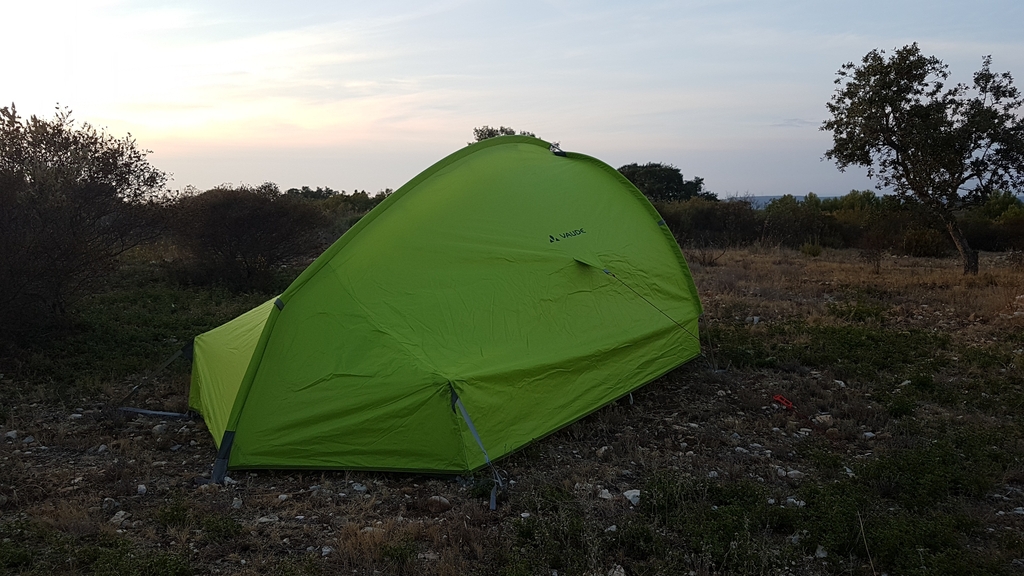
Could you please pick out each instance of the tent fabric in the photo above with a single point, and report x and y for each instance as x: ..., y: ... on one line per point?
x: 532, y: 287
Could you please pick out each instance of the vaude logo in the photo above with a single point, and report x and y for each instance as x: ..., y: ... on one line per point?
x: 564, y: 235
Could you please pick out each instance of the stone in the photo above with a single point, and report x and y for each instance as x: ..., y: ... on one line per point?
x: 867, y: 435
x: 283, y: 497
x: 713, y: 474
x: 602, y: 451
x: 428, y: 555
x: 604, y: 494
x: 824, y: 419
x: 102, y: 448
x: 617, y: 571
x: 110, y: 504
x: 524, y: 515
x: 11, y: 435
x: 75, y: 416
x: 141, y: 490
x: 28, y: 440
x: 359, y: 488
x: 795, y: 475
x: 119, y: 518
x: 633, y: 496
x: 437, y: 504
x: 612, y: 528
x: 176, y: 447
x: 326, y: 551
x: 821, y: 552
x: 159, y: 429
x: 268, y: 519
x: 236, y: 503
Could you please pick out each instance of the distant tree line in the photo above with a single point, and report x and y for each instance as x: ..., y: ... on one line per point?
x: 860, y: 219
x: 75, y: 201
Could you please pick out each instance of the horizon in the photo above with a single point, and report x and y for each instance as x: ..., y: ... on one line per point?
x: 351, y: 96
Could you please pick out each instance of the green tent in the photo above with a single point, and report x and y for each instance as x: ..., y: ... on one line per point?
x: 505, y: 292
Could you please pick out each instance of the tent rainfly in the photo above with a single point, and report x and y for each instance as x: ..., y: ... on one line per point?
x: 505, y: 292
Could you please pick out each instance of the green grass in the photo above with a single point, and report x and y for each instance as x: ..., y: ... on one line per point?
x: 849, y: 351
x: 31, y: 549
x: 127, y: 330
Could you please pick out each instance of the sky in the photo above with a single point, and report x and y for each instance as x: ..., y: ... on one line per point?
x: 365, y: 95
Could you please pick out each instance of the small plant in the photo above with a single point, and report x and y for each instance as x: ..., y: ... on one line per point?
x: 811, y: 249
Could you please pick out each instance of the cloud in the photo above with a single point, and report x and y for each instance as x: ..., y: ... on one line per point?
x: 795, y: 123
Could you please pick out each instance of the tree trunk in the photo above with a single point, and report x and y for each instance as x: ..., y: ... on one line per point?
x: 968, y: 255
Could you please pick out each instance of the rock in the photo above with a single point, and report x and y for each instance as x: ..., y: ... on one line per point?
x: 228, y: 480
x: 3, y: 499
x: 359, y: 488
x: 176, y: 447
x: 326, y: 551
x: 633, y: 496
x: 101, y: 449
x: 159, y: 429
x: 236, y: 503
x: 867, y: 435
x: 28, y: 440
x: 821, y: 552
x: 283, y: 497
x: 839, y: 383
x: 604, y: 494
x: 119, y: 518
x: 795, y: 475
x: 617, y: 571
x: 602, y: 451
x: 371, y: 530
x: 524, y: 515
x: 428, y: 555
x: 141, y: 490
x: 11, y: 435
x: 713, y: 474
x: 75, y: 416
x: 268, y: 519
x: 437, y: 504
x: 110, y: 504
x: 824, y: 419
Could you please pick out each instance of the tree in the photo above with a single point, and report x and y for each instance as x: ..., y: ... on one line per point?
x: 948, y: 147
x: 72, y: 199
x: 664, y: 182
x: 311, y: 194
x: 484, y: 132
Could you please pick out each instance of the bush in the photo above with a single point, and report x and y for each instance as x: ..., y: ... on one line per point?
x: 73, y: 199
x: 812, y: 250
x: 703, y: 223
x: 791, y: 222
x: 241, y: 236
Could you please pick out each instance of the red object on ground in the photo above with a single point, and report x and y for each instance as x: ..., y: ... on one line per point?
x: 783, y: 401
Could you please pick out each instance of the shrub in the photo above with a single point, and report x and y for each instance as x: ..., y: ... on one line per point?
x: 812, y: 250
x: 791, y: 222
x: 241, y: 236
x: 699, y: 222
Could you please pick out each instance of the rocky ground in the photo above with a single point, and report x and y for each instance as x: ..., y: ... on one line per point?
x: 799, y: 443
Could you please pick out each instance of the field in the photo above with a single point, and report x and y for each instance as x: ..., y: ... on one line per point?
x: 902, y: 453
